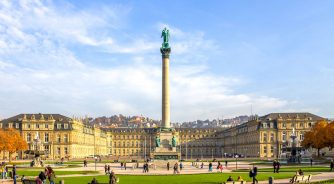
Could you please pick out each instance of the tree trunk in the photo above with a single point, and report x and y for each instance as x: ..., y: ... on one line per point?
x: 10, y: 156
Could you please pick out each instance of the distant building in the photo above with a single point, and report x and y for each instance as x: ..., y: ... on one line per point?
x: 63, y: 137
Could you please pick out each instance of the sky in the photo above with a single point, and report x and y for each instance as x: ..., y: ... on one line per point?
x: 229, y: 58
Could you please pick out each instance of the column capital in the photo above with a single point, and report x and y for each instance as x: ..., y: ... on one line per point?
x: 165, y: 52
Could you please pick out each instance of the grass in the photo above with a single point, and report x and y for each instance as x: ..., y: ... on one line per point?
x: 35, y: 172
x: 323, y: 182
x: 291, y: 169
x: 173, y: 179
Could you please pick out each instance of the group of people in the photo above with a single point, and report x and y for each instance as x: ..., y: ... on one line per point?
x: 277, y: 166
x: 4, y: 170
x: 123, y: 165
x: 298, y: 173
x: 113, y: 179
x: 48, y: 174
x: 231, y: 179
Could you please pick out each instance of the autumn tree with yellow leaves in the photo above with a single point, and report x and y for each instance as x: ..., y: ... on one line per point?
x: 11, y: 141
x: 320, y: 136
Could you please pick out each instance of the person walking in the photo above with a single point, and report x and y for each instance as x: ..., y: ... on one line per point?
x: 121, y: 165
x: 332, y: 165
x: 42, y: 177
x: 14, y: 174
x: 108, y: 169
x: 181, y: 166
x: 167, y: 166
x: 176, y: 167
x: 254, y: 175
x: 278, y: 166
x: 124, y: 165
x: 52, y: 178
x: 311, y: 160
x: 210, y: 167
x: 274, y: 165
x: 85, y: 163
x: 105, y: 169
x: 112, y: 178
x: 226, y: 163
x: 202, y: 165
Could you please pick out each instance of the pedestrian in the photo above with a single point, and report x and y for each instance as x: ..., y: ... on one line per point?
x: 167, y: 166
x: 121, y: 165
x: 278, y: 166
x: 175, y: 168
x: 124, y: 165
x: 230, y: 178
x: 147, y: 169
x: 210, y: 167
x: 221, y: 168
x: 52, y: 178
x: 5, y: 171
x: 254, y: 174
x: 226, y: 163
x: 274, y: 165
x: 105, y: 169
x: 112, y: 178
x: 23, y: 178
x: 181, y: 166
x: 144, y: 168
x: 332, y: 165
x: 42, y: 177
x: 85, y: 163
x: 202, y: 165
x: 14, y: 173
x: 108, y: 169
x: 311, y: 160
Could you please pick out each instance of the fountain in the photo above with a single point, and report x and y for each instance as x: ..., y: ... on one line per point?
x: 36, y: 152
x: 293, y: 157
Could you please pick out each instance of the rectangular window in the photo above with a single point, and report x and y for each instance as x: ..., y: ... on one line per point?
x: 283, y: 136
x: 65, y: 126
x: 301, y: 136
x: 264, y: 137
x: 58, y: 150
x: 17, y: 125
x: 46, y: 148
x: 0, y: 125
x: 65, y: 150
x: 28, y: 126
x: 46, y: 137
x: 46, y: 125
x: 265, y: 149
x: 58, y: 138
x: 272, y: 149
x: 65, y: 138
x: 37, y: 125
x: 283, y: 125
x: 301, y: 125
x: 271, y: 137
x: 10, y: 125
x: 28, y: 137
x: 58, y: 126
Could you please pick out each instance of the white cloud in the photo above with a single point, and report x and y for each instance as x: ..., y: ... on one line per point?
x: 40, y: 72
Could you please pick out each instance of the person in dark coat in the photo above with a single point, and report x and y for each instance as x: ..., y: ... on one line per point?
x: 42, y: 177
x: 254, y: 174
x: 167, y: 166
x: 332, y: 165
x: 274, y: 165
x: 112, y: 178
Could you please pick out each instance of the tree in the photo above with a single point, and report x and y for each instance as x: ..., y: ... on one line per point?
x: 11, y: 141
x: 317, y: 137
x: 330, y: 135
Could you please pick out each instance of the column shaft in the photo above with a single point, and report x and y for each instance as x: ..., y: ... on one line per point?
x: 165, y: 93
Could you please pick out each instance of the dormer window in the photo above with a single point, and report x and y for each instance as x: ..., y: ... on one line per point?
x: 65, y: 126
x: 58, y: 126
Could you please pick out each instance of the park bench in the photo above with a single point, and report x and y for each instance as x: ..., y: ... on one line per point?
x: 31, y: 181
x: 235, y: 182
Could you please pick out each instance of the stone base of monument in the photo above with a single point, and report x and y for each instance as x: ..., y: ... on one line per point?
x: 165, y: 152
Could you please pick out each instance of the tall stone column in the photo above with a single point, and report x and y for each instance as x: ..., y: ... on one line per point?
x: 165, y: 88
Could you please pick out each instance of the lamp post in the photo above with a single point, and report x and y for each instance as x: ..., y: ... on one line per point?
x: 95, y: 161
x: 236, y: 162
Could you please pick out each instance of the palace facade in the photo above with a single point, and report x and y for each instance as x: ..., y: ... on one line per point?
x: 63, y: 137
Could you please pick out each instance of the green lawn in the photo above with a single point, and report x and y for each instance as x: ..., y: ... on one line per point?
x: 34, y: 172
x: 173, y: 179
x: 291, y: 169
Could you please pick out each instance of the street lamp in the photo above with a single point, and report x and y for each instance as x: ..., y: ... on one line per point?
x: 95, y: 162
x: 236, y: 162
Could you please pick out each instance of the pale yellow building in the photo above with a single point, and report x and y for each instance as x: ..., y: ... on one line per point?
x: 63, y: 137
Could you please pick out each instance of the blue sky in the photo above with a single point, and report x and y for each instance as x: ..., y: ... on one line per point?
x: 102, y: 57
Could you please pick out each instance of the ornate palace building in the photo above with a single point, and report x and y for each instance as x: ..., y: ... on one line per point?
x: 62, y: 137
